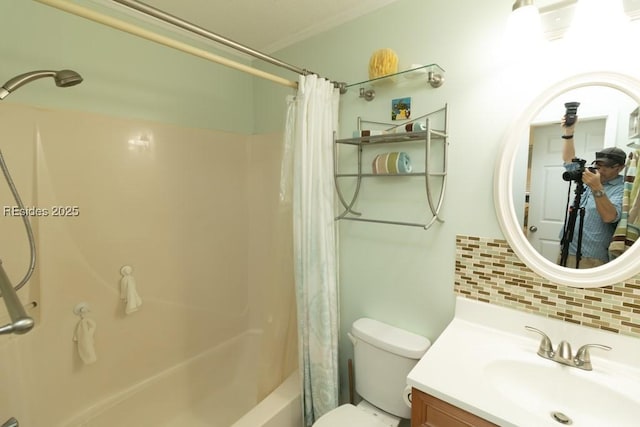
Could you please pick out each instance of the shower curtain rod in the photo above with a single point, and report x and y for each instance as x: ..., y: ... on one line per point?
x: 195, y: 29
x: 192, y: 28
x: 166, y: 41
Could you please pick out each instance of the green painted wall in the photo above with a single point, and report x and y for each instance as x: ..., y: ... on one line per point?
x: 124, y: 75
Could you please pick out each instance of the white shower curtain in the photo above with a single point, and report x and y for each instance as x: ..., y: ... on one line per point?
x: 312, y: 119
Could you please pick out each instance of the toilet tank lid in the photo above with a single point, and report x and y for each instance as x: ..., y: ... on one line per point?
x: 389, y: 338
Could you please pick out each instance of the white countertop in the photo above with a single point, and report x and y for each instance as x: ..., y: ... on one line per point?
x: 483, y: 335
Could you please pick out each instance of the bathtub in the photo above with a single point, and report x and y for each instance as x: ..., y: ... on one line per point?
x: 216, y: 388
x: 282, y: 408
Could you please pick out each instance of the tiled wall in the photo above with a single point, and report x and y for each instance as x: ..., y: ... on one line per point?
x: 488, y: 270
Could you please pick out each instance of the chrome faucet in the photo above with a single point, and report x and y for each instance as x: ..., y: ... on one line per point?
x: 564, y: 354
x: 581, y: 360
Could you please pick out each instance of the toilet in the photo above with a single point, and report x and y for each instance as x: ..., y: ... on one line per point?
x: 383, y: 355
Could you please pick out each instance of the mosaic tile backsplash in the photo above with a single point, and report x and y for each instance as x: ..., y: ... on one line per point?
x: 488, y: 270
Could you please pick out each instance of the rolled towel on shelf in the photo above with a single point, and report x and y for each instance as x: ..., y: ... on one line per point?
x: 392, y: 163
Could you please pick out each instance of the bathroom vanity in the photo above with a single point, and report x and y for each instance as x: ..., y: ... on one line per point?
x: 485, y: 369
x: 429, y: 411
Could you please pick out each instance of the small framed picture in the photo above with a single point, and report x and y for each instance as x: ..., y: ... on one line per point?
x: 401, y: 109
x: 634, y: 124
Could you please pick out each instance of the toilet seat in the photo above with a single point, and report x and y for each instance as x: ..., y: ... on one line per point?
x: 348, y: 416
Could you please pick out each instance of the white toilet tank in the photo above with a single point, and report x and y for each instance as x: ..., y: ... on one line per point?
x: 383, y: 357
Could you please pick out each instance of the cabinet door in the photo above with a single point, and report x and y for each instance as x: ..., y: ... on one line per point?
x: 428, y: 411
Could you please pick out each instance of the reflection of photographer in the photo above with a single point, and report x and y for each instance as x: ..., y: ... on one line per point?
x: 598, y: 201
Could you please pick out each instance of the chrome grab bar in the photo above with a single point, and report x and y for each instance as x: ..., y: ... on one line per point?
x: 20, y: 322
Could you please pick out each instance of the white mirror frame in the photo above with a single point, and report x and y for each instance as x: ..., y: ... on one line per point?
x: 616, y: 271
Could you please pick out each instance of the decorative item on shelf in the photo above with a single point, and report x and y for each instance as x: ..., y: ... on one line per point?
x: 401, y: 108
x: 383, y: 62
x: 368, y: 132
x: 415, y: 127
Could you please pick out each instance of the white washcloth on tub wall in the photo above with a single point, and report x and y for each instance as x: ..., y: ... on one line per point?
x: 128, y: 291
x: 84, y: 339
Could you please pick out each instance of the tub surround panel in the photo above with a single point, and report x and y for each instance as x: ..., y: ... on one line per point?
x: 488, y: 270
x: 179, y: 212
x: 169, y: 205
x: 272, y: 292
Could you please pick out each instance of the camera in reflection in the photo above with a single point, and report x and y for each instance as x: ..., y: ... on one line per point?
x: 576, y: 174
x: 571, y: 113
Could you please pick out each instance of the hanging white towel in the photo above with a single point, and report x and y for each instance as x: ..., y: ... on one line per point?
x: 128, y: 291
x: 84, y: 338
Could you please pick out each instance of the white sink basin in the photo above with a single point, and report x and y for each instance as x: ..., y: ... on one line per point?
x: 587, y: 398
x: 485, y: 362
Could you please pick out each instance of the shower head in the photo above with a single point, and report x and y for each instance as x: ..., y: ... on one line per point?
x: 67, y: 78
x: 63, y: 78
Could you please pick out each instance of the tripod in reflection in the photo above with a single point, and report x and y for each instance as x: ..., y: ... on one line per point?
x: 569, y: 227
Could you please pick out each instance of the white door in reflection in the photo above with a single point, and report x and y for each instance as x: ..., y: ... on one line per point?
x: 548, y: 192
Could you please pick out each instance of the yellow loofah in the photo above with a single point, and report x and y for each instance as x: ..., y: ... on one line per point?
x: 383, y: 62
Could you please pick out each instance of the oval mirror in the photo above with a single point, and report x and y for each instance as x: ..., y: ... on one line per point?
x: 607, y: 100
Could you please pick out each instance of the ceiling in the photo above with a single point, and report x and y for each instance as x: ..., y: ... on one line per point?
x: 267, y: 25
x: 270, y: 25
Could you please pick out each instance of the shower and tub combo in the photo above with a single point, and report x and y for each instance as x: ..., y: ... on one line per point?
x: 213, y: 386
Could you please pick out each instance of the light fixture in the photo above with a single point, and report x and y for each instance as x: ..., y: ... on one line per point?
x: 521, y: 3
x: 526, y: 15
x: 577, y: 19
x: 524, y: 32
x: 597, y: 23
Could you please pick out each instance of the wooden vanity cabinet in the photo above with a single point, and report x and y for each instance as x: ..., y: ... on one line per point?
x: 428, y: 411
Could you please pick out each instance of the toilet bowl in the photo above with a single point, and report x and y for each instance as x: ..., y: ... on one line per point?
x: 363, y: 415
